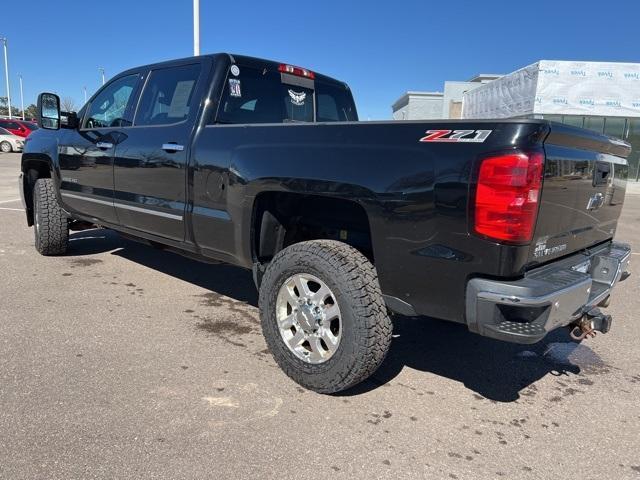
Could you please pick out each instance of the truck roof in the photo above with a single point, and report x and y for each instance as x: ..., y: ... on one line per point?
x: 239, y: 59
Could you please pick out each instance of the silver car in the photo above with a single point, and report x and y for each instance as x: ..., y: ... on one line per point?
x: 10, y: 142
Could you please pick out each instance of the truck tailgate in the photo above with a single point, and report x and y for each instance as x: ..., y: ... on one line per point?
x: 582, y: 194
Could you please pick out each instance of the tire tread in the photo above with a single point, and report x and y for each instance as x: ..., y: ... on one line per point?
x: 359, y: 281
x: 53, y: 233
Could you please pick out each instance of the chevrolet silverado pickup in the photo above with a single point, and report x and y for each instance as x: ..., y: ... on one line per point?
x: 506, y: 226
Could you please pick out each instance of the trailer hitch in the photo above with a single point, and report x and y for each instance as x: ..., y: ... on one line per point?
x: 591, y: 322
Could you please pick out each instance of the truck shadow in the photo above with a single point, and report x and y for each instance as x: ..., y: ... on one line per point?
x: 495, y: 370
x: 221, y: 278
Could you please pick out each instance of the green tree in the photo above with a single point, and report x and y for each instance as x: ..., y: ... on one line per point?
x: 31, y: 112
x: 4, y: 111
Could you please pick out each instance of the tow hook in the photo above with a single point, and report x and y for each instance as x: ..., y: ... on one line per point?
x: 591, y: 322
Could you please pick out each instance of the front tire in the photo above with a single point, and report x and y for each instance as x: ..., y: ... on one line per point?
x: 323, y: 315
x: 50, y: 223
x: 6, y: 147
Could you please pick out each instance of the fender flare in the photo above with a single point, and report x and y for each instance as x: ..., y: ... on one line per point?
x: 33, y: 166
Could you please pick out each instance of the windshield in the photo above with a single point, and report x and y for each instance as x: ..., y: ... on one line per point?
x: 5, y: 132
x: 30, y: 126
x: 260, y: 96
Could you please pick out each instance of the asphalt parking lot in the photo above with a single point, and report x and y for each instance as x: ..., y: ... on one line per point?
x: 121, y: 361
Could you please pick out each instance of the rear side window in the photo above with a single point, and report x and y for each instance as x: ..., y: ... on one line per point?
x: 259, y: 96
x: 12, y: 125
x: 168, y: 96
x: 111, y: 107
x: 335, y: 103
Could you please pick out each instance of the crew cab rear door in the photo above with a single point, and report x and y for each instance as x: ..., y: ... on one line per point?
x: 150, y: 162
x: 583, y: 192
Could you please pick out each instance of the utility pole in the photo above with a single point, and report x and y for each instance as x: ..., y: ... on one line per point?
x: 85, y: 94
x: 6, y: 73
x: 196, y: 27
x: 21, y: 97
x: 102, y: 72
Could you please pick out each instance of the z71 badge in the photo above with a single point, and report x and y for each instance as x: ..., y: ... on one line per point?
x: 452, y: 136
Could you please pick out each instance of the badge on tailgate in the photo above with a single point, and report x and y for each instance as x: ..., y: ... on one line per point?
x: 452, y: 136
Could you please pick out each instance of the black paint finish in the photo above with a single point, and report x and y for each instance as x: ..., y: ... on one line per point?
x: 416, y: 195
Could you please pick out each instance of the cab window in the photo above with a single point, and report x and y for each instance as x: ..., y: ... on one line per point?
x: 169, y: 96
x: 258, y: 95
x: 112, y: 106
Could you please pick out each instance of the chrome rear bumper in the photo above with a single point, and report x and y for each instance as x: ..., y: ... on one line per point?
x: 552, y: 296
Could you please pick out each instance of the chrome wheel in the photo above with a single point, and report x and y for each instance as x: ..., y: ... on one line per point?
x: 309, y: 318
x: 6, y: 147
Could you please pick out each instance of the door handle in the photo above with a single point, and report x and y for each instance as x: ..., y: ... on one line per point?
x: 172, y: 147
x: 104, y: 145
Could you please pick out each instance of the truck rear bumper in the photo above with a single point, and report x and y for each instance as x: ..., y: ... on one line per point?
x: 552, y: 296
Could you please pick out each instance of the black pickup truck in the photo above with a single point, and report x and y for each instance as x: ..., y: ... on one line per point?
x: 505, y: 226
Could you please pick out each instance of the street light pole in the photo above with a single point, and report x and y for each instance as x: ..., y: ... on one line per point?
x: 196, y: 27
x: 21, y: 97
x: 85, y: 94
x: 6, y: 73
x: 102, y: 71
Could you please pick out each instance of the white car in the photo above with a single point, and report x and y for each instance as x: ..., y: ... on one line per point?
x: 10, y: 142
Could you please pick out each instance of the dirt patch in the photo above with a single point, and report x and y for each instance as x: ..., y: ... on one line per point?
x: 84, y: 262
x: 224, y: 327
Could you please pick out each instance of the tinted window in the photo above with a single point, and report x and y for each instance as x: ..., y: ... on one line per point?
x: 634, y: 139
x: 12, y: 125
x: 594, y: 123
x: 5, y: 132
x: 335, y: 103
x: 168, y: 96
x: 259, y: 96
x: 574, y: 120
x: 614, y: 127
x: 31, y: 126
x: 110, y: 108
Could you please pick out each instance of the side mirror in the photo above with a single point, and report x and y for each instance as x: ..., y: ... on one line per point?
x: 49, y: 111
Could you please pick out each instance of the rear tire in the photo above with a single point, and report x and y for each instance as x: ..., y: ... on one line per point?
x: 365, y: 327
x: 50, y: 225
x: 6, y: 147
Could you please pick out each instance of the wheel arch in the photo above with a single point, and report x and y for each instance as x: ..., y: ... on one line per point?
x: 280, y: 219
x: 33, y: 166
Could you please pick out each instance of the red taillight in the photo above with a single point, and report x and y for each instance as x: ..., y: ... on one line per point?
x: 297, y: 71
x: 507, y: 196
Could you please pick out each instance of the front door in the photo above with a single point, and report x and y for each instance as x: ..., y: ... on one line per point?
x: 86, y: 154
x: 150, y: 162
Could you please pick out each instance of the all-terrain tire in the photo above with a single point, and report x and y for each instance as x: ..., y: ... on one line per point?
x: 51, y: 226
x: 6, y: 147
x: 366, y: 334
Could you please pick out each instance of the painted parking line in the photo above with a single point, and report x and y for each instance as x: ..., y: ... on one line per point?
x: 12, y: 209
x: 10, y: 201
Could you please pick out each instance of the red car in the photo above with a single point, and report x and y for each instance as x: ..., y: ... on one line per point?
x: 18, y: 127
